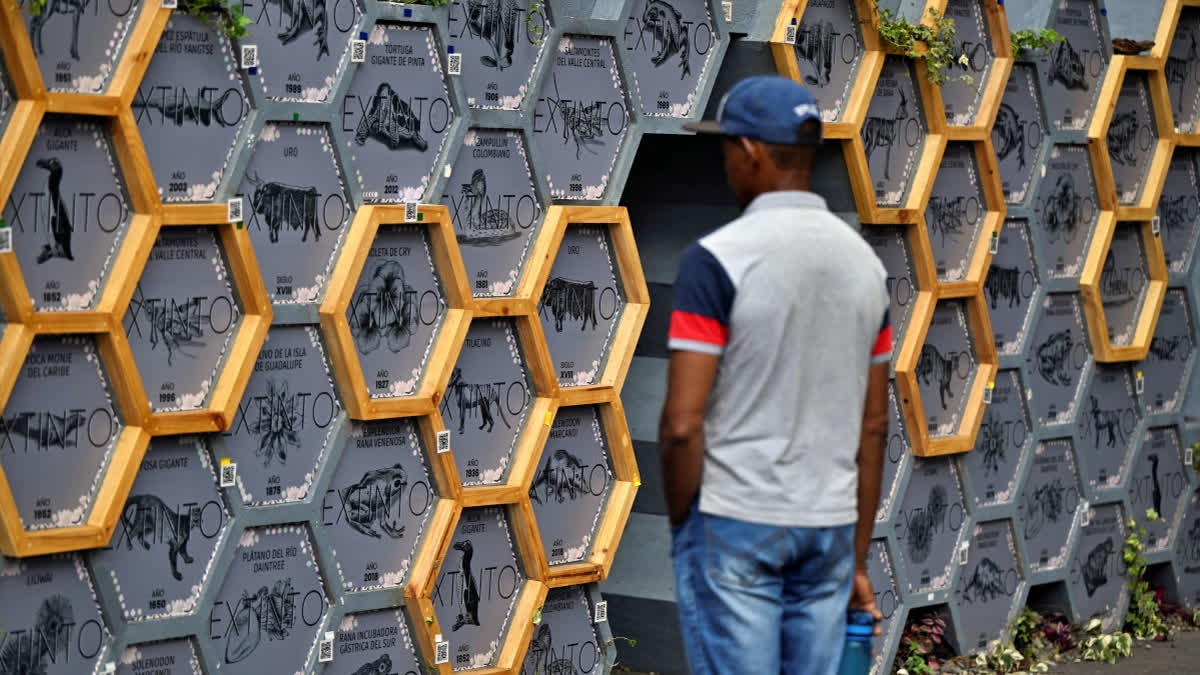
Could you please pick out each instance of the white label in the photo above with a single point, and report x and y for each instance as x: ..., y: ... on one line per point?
x: 929, y: 598
x: 962, y: 553
x: 325, y: 653
x: 454, y: 64
x: 6, y: 240
x: 443, y: 441
x: 987, y: 394
x: 249, y: 56
x: 228, y: 475
x: 1187, y: 457
x: 108, y: 668
x: 1155, y: 224
x: 442, y: 653
x: 358, y: 51
x: 727, y: 8
x: 601, y: 612
x: 789, y: 34
x: 995, y: 246
x: 170, y: 4
x: 233, y: 210
x: 447, y: 171
x: 410, y: 212
x: 1139, y: 384
x: 1087, y: 514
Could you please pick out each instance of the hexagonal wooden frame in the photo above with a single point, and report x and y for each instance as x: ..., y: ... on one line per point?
x: 344, y: 279
x: 868, y: 70
x: 987, y: 364
x: 997, y: 79
x: 633, y: 281
x: 1093, y: 306
x: 1160, y: 161
x: 1163, y: 38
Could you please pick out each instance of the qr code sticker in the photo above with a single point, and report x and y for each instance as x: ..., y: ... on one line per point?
x: 454, y: 64
x: 442, y: 653
x: 249, y: 56
x: 410, y: 212
x: 601, y: 612
x: 443, y: 441
x: 228, y: 475
x: 1139, y: 385
x: 727, y: 8
x: 358, y: 51
x: 325, y: 654
x: 1156, y: 224
x: 233, y: 212
x: 962, y: 553
x: 1187, y: 457
x: 170, y: 4
x: 995, y: 246
x: 789, y: 35
x: 987, y: 394
x: 6, y: 240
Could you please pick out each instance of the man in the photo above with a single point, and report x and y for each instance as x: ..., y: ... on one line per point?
x: 774, y: 424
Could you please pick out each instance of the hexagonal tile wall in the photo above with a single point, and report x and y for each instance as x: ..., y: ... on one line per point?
x: 671, y: 49
x: 1108, y: 426
x: 1129, y: 285
x: 566, y: 639
x: 61, y: 602
x: 990, y: 586
x: 971, y: 92
x: 1096, y: 582
x: 1179, y: 210
x: 1075, y: 67
x: 1047, y: 507
x: 1059, y: 360
x: 1169, y: 362
x: 930, y: 526
x: 991, y: 469
x: 1068, y: 205
x: 890, y: 600
x: 1135, y: 147
x: 963, y: 214
x: 301, y: 58
x: 380, y: 641
x: 83, y: 62
x: 1020, y: 132
x: 905, y: 280
x: 500, y: 56
x: 1180, y: 66
x: 1012, y: 287
x: 1160, y: 482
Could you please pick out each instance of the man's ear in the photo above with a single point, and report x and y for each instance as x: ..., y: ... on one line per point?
x: 756, y: 153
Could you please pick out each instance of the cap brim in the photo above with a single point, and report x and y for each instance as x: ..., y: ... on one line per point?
x: 710, y: 127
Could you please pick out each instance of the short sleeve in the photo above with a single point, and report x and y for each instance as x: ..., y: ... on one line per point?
x: 702, y: 303
x: 882, y: 351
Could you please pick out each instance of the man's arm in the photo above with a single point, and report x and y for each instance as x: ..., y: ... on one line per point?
x: 690, y: 377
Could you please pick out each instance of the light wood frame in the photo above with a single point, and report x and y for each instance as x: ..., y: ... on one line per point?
x: 1093, y: 305
x: 1164, y: 37
x: 448, y: 341
x: 987, y: 363
x: 997, y: 78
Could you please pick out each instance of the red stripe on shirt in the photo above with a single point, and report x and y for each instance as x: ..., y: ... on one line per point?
x: 883, y: 343
x: 689, y: 326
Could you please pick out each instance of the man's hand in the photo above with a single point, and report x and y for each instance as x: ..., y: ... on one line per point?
x: 862, y: 596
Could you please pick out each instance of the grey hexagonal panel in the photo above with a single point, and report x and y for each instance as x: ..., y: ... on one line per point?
x: 375, y: 642
x: 1047, y: 505
x: 182, y: 318
x: 1160, y: 482
x: 669, y: 45
x: 929, y: 524
x: 396, y: 310
x: 285, y: 420
x: 168, y: 657
x: 51, y: 620
x: 829, y: 50
x: 987, y: 586
x: 303, y: 49
x: 955, y: 213
x: 487, y: 401
x: 271, y: 606
x: 580, y: 120
x: 8, y: 95
x: 946, y: 367
x: 893, y: 251
x: 993, y: 465
x: 1058, y: 359
x: 378, y: 503
x: 888, y: 598
x: 581, y: 304
x: 478, y: 586
x: 571, y: 486
x: 894, y: 133
x: 565, y: 641
x: 898, y: 451
x: 1019, y: 131
x: 1067, y: 209
x: 494, y: 207
x: 1167, y: 365
x: 1011, y: 284
x: 296, y: 209
x: 1108, y: 425
x: 1183, y: 71
x: 962, y: 97
x: 77, y: 49
x: 59, y: 430
x: 1132, y: 137
x: 396, y: 114
x: 1096, y: 581
x: 161, y: 553
x: 1179, y: 209
x: 499, y: 42
x: 1123, y: 282
x: 1187, y: 552
x: 190, y: 108
x: 1074, y: 68
x: 68, y: 211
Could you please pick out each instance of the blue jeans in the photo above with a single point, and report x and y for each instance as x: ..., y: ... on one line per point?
x: 759, y: 599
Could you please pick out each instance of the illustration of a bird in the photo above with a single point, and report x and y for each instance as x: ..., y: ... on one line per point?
x: 1130, y: 47
x: 470, y: 593
x: 58, y: 241
x: 480, y: 219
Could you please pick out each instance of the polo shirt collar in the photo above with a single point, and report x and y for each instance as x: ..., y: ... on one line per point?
x: 787, y: 199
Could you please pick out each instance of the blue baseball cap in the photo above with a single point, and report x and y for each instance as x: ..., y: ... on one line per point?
x: 766, y: 108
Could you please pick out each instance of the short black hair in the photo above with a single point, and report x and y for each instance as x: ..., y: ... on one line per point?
x: 796, y: 156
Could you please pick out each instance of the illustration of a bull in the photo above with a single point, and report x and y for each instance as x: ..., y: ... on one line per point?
x: 283, y: 204
x: 569, y: 298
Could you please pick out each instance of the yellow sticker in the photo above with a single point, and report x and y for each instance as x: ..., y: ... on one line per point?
x: 637, y: 483
x: 225, y: 461
x: 1139, y: 374
x: 991, y: 385
x: 549, y: 417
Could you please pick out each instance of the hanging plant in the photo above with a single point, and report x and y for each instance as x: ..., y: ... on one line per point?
x: 933, y: 44
x: 1034, y: 39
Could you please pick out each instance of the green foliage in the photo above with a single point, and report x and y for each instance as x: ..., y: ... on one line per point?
x: 1006, y: 658
x: 221, y: 14
x: 1143, y: 618
x: 1026, y: 629
x: 1035, y: 39
x: 535, y: 8
x: 934, y: 44
x: 921, y: 639
x: 36, y: 7
x: 1105, y: 647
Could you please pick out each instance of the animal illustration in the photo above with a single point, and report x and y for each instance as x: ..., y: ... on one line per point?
x: 1169, y: 348
x: 947, y: 215
x: 147, y: 518
x: 27, y: 652
x: 582, y: 124
x: 564, y: 298
x: 1095, y: 568
x: 1052, y: 358
x: 59, y: 229
x: 1003, y: 283
x: 933, y: 368
x: 991, y: 443
x: 540, y: 659
x: 484, y: 225
x: 986, y: 583
x: 380, y: 666
x: 496, y: 22
x: 469, y: 616
x: 1176, y: 212
x: 383, y: 308
x: 276, y: 424
x: 1178, y: 68
x: 52, y: 7
x: 562, y: 476
x: 45, y: 429
x: 390, y: 120
x: 1008, y: 134
x: 173, y: 326
x: 1046, y: 504
x: 880, y: 132
x: 271, y: 610
x: 1115, y: 287
x: 1066, y: 67
x: 1121, y: 136
x: 468, y: 397
x: 814, y: 44
x: 1064, y: 209
x: 1107, y: 421
x: 180, y: 109
x: 306, y: 15
x: 665, y: 23
x: 283, y: 204
x: 370, y: 502
x: 924, y: 524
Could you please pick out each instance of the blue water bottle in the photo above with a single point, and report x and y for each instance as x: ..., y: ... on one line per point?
x: 856, y: 655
